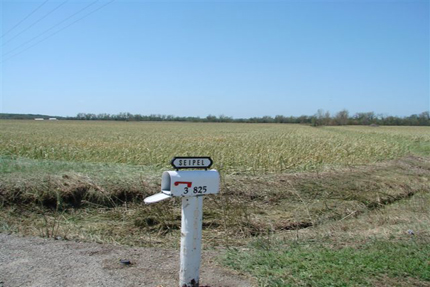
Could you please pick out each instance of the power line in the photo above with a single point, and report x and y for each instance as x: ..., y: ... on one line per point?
x: 51, y: 28
x: 58, y: 31
x: 25, y: 18
x: 37, y: 21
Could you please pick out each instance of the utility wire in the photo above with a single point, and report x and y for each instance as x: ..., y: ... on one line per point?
x: 25, y: 18
x: 58, y: 31
x: 53, y: 27
x: 37, y: 21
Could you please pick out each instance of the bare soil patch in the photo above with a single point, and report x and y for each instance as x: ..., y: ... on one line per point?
x: 31, y: 261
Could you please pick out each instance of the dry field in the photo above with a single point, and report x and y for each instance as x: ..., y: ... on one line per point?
x: 235, y: 148
x: 281, y: 185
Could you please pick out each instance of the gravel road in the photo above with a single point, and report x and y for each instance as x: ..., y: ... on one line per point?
x: 31, y: 261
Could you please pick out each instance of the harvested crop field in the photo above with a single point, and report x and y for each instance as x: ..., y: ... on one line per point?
x: 240, y: 148
x: 297, y: 189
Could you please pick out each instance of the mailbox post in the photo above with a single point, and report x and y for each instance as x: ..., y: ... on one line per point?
x: 191, y: 185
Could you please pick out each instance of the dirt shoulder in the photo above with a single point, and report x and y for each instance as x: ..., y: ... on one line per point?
x: 31, y: 261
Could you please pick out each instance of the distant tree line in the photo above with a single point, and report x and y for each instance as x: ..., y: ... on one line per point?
x: 369, y: 118
x: 5, y: 116
x: 321, y: 118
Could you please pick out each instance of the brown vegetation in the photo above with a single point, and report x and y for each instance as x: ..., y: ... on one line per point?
x: 247, y: 206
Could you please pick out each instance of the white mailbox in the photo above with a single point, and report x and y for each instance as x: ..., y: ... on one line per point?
x: 190, y: 183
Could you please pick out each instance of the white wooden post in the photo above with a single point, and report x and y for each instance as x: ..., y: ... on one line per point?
x: 191, y: 237
x: 191, y: 186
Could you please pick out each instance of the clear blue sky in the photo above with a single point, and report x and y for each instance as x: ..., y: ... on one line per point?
x: 194, y: 58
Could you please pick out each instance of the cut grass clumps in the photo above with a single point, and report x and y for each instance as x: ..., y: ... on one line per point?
x: 313, y: 264
x: 295, y: 201
x: 160, y: 218
x: 70, y: 190
x: 59, y: 185
x: 247, y: 206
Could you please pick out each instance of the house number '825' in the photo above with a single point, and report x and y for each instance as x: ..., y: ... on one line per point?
x: 196, y: 189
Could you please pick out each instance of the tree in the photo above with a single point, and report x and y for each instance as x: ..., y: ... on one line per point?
x: 211, y: 118
x: 365, y: 118
x: 342, y: 117
x: 280, y: 119
x: 327, y: 118
x: 322, y: 118
x: 424, y: 119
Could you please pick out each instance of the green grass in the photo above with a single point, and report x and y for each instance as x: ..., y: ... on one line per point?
x: 313, y: 264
